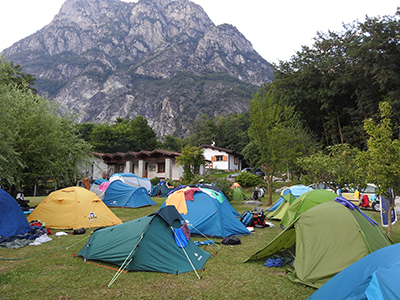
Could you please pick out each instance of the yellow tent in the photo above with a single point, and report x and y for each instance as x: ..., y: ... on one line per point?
x: 73, y: 208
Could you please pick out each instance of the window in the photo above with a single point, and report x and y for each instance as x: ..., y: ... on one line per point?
x: 161, y: 167
x: 219, y: 158
x: 236, y: 160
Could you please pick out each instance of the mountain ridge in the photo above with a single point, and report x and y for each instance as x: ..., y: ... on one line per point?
x: 162, y: 59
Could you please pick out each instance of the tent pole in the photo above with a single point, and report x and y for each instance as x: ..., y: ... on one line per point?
x: 194, y: 269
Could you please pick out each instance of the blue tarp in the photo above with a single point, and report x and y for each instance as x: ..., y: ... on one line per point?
x: 119, y: 194
x: 12, y: 218
x: 374, y: 276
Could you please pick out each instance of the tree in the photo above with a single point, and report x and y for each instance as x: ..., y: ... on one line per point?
x: 338, y: 82
x: 203, y: 131
x: 143, y: 134
x: 272, y: 134
x: 335, y: 167
x: 171, y: 143
x: 191, y: 159
x: 117, y: 137
x: 231, y: 131
x: 381, y: 161
x: 13, y: 74
x: 37, y: 143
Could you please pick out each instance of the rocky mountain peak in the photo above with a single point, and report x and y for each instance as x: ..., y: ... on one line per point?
x: 162, y: 59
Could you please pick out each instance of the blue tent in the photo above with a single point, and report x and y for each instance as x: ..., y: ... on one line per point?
x: 295, y: 190
x: 119, y: 194
x: 95, y: 187
x: 133, y: 180
x: 12, y: 218
x: 375, y: 276
x: 207, y: 212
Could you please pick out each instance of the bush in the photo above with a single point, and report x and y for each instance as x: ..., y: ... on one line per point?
x: 154, y: 181
x: 222, y: 183
x: 246, y: 179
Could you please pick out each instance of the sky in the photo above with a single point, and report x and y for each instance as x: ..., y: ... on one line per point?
x: 276, y: 29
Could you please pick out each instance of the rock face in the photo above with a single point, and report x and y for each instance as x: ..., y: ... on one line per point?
x: 162, y: 59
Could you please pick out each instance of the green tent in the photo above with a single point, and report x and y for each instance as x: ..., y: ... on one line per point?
x: 281, y: 210
x: 304, y: 202
x: 323, y: 241
x: 146, y: 244
x: 238, y: 193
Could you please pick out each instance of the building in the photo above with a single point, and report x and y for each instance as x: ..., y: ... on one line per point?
x: 146, y: 164
x: 221, y: 159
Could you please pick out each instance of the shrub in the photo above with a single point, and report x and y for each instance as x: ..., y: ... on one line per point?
x: 246, y: 179
x: 154, y: 181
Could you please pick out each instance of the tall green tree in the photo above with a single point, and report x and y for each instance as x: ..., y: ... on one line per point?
x: 143, y: 133
x: 191, y: 159
x: 271, y: 132
x: 338, y: 82
x: 381, y: 161
x: 117, y: 137
x: 231, y: 131
x: 39, y: 143
x: 171, y: 143
x: 203, y: 131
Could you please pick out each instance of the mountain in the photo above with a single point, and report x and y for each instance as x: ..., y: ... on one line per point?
x: 162, y: 59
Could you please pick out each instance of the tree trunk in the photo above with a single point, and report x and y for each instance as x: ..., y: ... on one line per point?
x: 269, y: 184
x: 340, y: 128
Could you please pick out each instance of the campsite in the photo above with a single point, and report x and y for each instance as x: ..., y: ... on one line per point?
x: 52, y: 270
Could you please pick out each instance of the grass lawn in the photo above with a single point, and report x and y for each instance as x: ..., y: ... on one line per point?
x: 51, y: 271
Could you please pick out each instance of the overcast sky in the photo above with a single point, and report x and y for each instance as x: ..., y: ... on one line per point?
x: 277, y: 29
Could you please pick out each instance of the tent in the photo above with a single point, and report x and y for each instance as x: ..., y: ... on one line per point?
x: 375, y: 276
x: 73, y: 208
x: 324, y: 240
x: 161, y: 189
x: 304, y: 202
x: 237, y: 192
x: 95, y: 187
x: 119, y: 194
x: 288, y: 195
x: 12, y: 218
x: 133, y: 180
x: 207, y: 212
x: 148, y: 244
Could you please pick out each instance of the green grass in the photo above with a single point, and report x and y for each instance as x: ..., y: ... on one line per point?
x: 55, y: 273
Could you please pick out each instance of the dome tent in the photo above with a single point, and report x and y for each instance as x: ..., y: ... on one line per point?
x: 304, y: 202
x: 133, y: 180
x: 72, y: 208
x: 119, y: 194
x: 374, y: 276
x: 324, y: 240
x: 146, y: 244
x: 207, y: 212
x: 12, y: 219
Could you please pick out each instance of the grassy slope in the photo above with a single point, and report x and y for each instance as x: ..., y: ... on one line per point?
x: 51, y: 271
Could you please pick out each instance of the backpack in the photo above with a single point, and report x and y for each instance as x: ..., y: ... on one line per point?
x: 246, y: 218
x: 259, y: 221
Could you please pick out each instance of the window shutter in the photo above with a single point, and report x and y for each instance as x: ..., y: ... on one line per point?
x: 225, y: 158
x: 212, y: 158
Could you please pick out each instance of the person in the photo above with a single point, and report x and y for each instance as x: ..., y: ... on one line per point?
x: 339, y: 191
